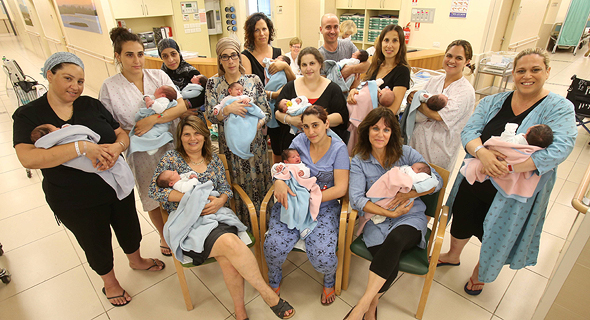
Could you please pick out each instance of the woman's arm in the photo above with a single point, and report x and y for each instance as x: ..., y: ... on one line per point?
x: 359, y: 68
x: 117, y: 147
x: 39, y: 158
x: 335, y: 119
x: 399, y: 93
x: 144, y: 125
x: 246, y: 63
x: 490, y: 159
x: 282, y: 66
x: 340, y: 186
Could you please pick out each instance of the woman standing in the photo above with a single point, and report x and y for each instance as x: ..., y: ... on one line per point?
x: 438, y: 138
x: 122, y: 94
x: 319, y: 91
x: 294, y: 47
x: 509, y: 230
x: 82, y: 201
x: 390, y: 64
x: 252, y: 174
x: 379, y: 149
x: 181, y: 73
x: 328, y: 161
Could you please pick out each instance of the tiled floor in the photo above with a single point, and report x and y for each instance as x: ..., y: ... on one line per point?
x: 51, y: 278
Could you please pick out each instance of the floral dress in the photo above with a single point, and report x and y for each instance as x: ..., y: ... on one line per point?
x: 253, y: 174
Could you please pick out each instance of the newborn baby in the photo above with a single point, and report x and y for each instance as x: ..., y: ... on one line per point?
x: 434, y: 102
x: 236, y: 91
x: 539, y: 135
x: 162, y: 98
x: 291, y: 157
x: 42, y: 130
x: 195, y: 88
x: 357, y: 57
x: 294, y: 107
x: 179, y: 182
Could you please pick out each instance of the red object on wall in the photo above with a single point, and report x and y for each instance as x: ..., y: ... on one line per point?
x: 407, y: 33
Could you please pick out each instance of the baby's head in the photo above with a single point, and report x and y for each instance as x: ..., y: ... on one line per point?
x: 283, y: 58
x: 200, y: 79
x: 290, y: 156
x: 385, y: 97
x: 298, y: 100
x: 166, y: 91
x: 362, y: 55
x: 539, y: 135
x: 419, y: 167
x: 167, y: 178
x: 437, y: 102
x: 42, y: 130
x: 235, y: 89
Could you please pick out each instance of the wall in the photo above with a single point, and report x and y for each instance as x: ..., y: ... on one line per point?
x: 199, y: 41
x: 527, y: 23
x: 286, y: 23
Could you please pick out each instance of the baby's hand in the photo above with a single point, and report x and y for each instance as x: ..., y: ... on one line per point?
x: 301, y: 173
x: 280, y: 167
x: 193, y: 176
x: 246, y: 100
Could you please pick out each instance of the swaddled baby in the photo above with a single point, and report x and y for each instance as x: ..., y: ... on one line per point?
x: 179, y: 182
x: 291, y: 158
x: 195, y: 88
x: 294, y: 107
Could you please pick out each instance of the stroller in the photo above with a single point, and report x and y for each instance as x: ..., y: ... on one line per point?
x: 25, y: 87
x: 4, y: 274
x: 579, y: 94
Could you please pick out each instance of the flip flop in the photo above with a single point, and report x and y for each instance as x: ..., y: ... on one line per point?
x: 441, y: 264
x: 277, y: 290
x: 327, y: 296
x: 165, y: 254
x: 121, y: 296
x: 473, y: 292
x: 155, y: 265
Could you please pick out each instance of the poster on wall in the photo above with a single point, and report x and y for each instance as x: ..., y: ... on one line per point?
x: 459, y: 8
x: 79, y: 14
x: 25, y: 11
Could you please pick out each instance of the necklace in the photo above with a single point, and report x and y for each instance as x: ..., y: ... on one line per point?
x: 197, y: 163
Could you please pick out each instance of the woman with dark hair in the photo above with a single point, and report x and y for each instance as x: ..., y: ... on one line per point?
x: 122, y: 94
x: 319, y: 91
x: 327, y: 159
x: 181, y: 73
x: 194, y: 153
x: 379, y: 149
x: 258, y: 33
x: 390, y: 64
x: 438, y: 138
x: 82, y: 201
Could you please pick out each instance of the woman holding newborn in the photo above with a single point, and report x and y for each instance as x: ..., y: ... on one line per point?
x: 438, y: 137
x: 390, y: 64
x: 327, y: 159
x: 82, y: 201
x: 122, y: 94
x: 251, y: 174
x: 509, y: 229
x: 379, y: 149
x: 194, y: 153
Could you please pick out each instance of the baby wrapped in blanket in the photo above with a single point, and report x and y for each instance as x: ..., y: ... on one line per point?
x: 195, y: 88
x: 412, y: 115
x: 240, y: 131
x: 294, y: 107
x: 370, y: 96
x: 305, y: 205
x: 517, y: 148
x: 333, y: 69
x: 275, y: 83
x: 159, y: 134
x: 419, y: 177
x: 119, y: 177
x: 186, y: 229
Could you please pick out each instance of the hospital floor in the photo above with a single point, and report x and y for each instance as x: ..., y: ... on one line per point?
x: 52, y: 280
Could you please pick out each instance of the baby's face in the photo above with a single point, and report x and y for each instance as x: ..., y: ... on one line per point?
x: 236, y: 91
x: 293, y: 157
x: 298, y: 100
x: 356, y: 53
x: 280, y: 58
x: 171, y: 176
x: 420, y: 167
x: 159, y: 93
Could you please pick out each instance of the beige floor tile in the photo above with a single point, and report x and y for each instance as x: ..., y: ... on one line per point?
x: 556, y: 189
x: 522, y: 297
x: 575, y: 153
x: 5, y: 117
x: 566, y: 193
x: 21, y: 200
x: 103, y: 316
x: 6, y: 148
x: 297, y: 258
x: 16, y: 179
x: 37, y: 262
x: 560, y: 219
x: 5, y: 136
x: 577, y: 172
x: 564, y: 169
x: 358, y: 277
x: 164, y: 300
x: 16, y: 231
x: 11, y: 162
x: 549, y: 250
x: 66, y: 296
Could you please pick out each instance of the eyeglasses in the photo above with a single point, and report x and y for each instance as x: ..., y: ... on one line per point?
x: 296, y: 47
x: 225, y: 57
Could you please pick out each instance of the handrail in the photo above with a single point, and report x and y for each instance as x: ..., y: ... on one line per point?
x: 90, y: 53
x: 579, y: 195
x: 53, y: 40
x: 517, y: 44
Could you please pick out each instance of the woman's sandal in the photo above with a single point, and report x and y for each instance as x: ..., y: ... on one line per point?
x: 471, y: 291
x: 327, y: 296
x: 281, y: 308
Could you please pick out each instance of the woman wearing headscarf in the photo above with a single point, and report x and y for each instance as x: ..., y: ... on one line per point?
x: 181, y: 73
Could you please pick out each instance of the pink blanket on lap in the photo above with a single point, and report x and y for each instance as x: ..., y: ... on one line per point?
x: 521, y: 184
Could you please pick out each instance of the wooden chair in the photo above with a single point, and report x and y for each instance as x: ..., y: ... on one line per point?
x: 414, y: 261
x: 254, y: 234
x: 341, y: 237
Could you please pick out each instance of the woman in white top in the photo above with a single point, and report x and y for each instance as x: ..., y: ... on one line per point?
x: 122, y: 94
x: 294, y: 47
x: 438, y: 137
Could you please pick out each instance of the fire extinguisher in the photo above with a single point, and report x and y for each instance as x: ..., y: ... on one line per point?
x: 407, y: 33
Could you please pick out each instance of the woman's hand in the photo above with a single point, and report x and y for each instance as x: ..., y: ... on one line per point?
x: 410, y: 97
x: 493, y: 162
x: 100, y: 158
x: 213, y: 206
x: 402, y: 209
x: 237, y: 108
x: 114, y: 150
x: 399, y: 198
x: 281, y: 191
x: 144, y: 125
x: 277, y: 66
x: 350, y: 99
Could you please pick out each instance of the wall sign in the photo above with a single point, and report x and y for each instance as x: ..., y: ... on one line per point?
x: 459, y: 8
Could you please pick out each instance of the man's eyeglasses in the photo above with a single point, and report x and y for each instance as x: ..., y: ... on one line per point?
x: 225, y: 57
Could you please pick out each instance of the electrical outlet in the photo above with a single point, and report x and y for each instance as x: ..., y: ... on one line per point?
x: 436, y: 44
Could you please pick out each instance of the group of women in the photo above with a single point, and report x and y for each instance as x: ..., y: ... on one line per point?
x: 89, y: 207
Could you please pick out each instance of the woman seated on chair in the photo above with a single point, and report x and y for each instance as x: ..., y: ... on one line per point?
x: 327, y: 159
x: 378, y: 149
x: 194, y: 153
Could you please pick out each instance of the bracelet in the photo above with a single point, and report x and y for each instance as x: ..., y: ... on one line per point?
x: 122, y: 144
x: 77, y: 148
x: 160, y: 115
x: 477, y: 149
x: 510, y: 168
x: 84, y: 153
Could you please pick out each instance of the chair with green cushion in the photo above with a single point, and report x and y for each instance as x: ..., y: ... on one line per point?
x: 414, y: 261
x: 253, y: 234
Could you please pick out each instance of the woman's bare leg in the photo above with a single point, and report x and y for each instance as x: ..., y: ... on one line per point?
x: 138, y: 263
x: 475, y: 279
x: 235, y: 285
x: 156, y: 217
x: 114, y: 289
x: 370, y: 298
x: 454, y: 253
